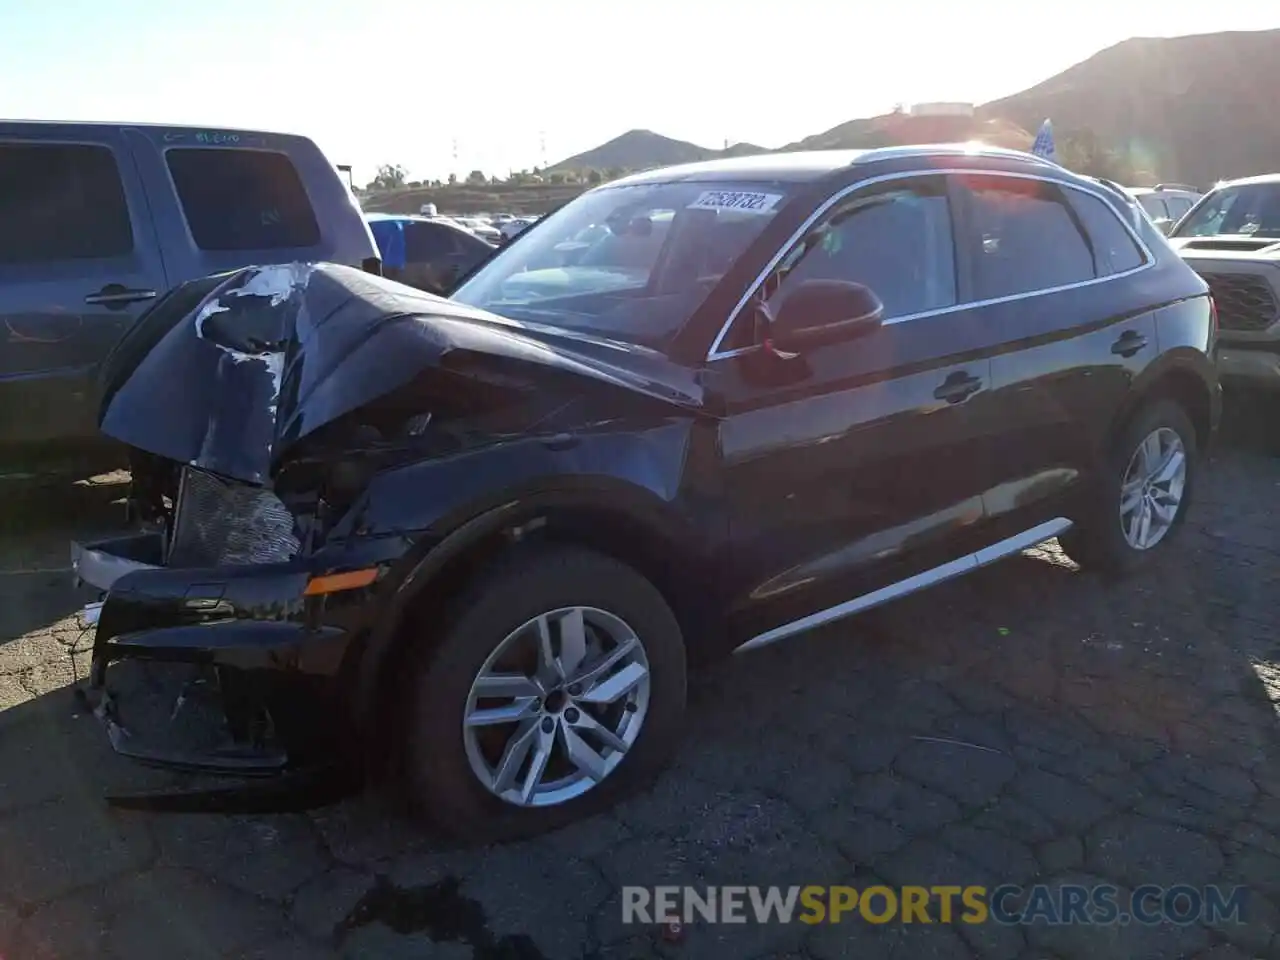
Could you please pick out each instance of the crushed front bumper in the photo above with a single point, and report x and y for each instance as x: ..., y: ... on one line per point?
x: 247, y: 641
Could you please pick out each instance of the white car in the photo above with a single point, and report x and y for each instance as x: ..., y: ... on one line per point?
x: 511, y: 228
x: 1165, y: 203
x: 481, y: 228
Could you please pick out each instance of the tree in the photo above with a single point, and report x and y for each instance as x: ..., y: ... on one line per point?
x: 594, y: 176
x: 1082, y: 151
x: 390, y: 177
x: 453, y: 179
x: 477, y: 177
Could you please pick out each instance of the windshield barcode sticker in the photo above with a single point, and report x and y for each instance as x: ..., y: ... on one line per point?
x: 736, y: 200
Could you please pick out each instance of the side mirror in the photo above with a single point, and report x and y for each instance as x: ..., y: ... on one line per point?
x: 824, y: 311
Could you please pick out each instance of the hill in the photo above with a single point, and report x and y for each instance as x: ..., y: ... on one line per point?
x: 639, y: 149
x: 1193, y: 109
x: 464, y: 198
x: 896, y: 129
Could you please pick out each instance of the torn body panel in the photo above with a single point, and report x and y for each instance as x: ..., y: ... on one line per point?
x: 302, y: 442
x: 272, y: 354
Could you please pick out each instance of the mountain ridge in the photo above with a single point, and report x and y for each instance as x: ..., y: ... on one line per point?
x: 1158, y: 101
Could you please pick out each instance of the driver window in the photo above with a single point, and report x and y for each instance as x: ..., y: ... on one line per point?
x: 895, y: 239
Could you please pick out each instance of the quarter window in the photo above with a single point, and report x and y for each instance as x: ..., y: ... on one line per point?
x: 896, y: 240
x: 242, y: 199
x: 1025, y: 237
x: 61, y: 202
x: 1114, y: 249
x: 1154, y: 206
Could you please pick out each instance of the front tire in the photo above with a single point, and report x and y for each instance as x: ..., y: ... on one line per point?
x: 1142, y: 498
x: 556, y: 688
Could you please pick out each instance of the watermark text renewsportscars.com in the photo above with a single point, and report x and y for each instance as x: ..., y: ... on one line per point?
x: 1102, y: 904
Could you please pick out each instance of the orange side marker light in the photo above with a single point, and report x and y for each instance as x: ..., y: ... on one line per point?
x: 335, y: 582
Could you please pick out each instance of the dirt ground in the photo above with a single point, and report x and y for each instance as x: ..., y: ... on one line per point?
x: 1028, y: 724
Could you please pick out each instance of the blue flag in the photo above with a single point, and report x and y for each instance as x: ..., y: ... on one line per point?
x: 1043, y: 147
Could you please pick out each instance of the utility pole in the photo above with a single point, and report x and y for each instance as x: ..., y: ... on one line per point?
x: 542, y: 148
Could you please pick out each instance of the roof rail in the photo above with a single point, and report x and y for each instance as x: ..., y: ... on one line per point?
x: 1177, y: 186
x: 918, y: 149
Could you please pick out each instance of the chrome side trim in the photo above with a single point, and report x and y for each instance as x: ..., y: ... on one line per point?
x: 947, y: 571
x: 714, y: 353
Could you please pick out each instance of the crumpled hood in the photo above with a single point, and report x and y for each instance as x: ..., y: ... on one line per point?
x: 274, y: 353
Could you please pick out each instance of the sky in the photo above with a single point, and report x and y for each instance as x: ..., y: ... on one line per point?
x: 442, y: 86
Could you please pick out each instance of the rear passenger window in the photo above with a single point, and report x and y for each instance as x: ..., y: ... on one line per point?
x: 242, y: 199
x: 61, y: 202
x: 1178, y: 206
x: 1025, y: 238
x: 424, y: 242
x: 1114, y: 249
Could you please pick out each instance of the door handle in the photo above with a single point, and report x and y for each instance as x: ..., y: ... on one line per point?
x: 957, y: 387
x: 117, y: 295
x: 1128, y: 344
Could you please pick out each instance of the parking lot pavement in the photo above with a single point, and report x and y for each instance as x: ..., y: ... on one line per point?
x: 1027, y: 724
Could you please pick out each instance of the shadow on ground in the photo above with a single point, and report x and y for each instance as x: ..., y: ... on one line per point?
x: 1027, y: 724
x: 37, y: 523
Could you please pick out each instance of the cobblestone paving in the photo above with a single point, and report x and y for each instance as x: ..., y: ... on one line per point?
x: 1027, y: 724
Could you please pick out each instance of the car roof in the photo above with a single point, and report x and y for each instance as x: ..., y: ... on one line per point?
x: 1261, y: 178
x: 418, y: 218
x: 809, y: 165
x: 168, y: 127
x: 1162, y: 191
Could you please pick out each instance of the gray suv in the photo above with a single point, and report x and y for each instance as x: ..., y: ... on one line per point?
x: 1232, y: 239
x: 98, y: 220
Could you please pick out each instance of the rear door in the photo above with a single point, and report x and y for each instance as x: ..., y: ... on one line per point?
x: 78, y: 264
x: 1056, y: 273
x: 225, y: 200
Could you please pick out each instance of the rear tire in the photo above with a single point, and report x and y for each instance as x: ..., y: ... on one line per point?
x: 1104, y: 539
x: 503, y: 615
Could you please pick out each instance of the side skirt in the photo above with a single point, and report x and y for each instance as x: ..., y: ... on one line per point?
x: 928, y: 578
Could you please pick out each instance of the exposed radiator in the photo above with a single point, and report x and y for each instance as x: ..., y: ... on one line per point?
x: 219, y: 522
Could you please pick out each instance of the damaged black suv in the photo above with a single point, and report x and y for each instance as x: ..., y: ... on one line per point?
x: 697, y: 410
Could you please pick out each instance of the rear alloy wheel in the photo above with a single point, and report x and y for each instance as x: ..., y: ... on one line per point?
x: 556, y: 687
x: 1143, y: 497
x: 1152, y: 489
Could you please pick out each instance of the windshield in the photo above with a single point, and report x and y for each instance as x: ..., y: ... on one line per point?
x: 1250, y: 209
x: 630, y: 263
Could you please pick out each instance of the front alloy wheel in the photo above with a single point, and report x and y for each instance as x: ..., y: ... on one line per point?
x: 556, y: 706
x: 551, y: 688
